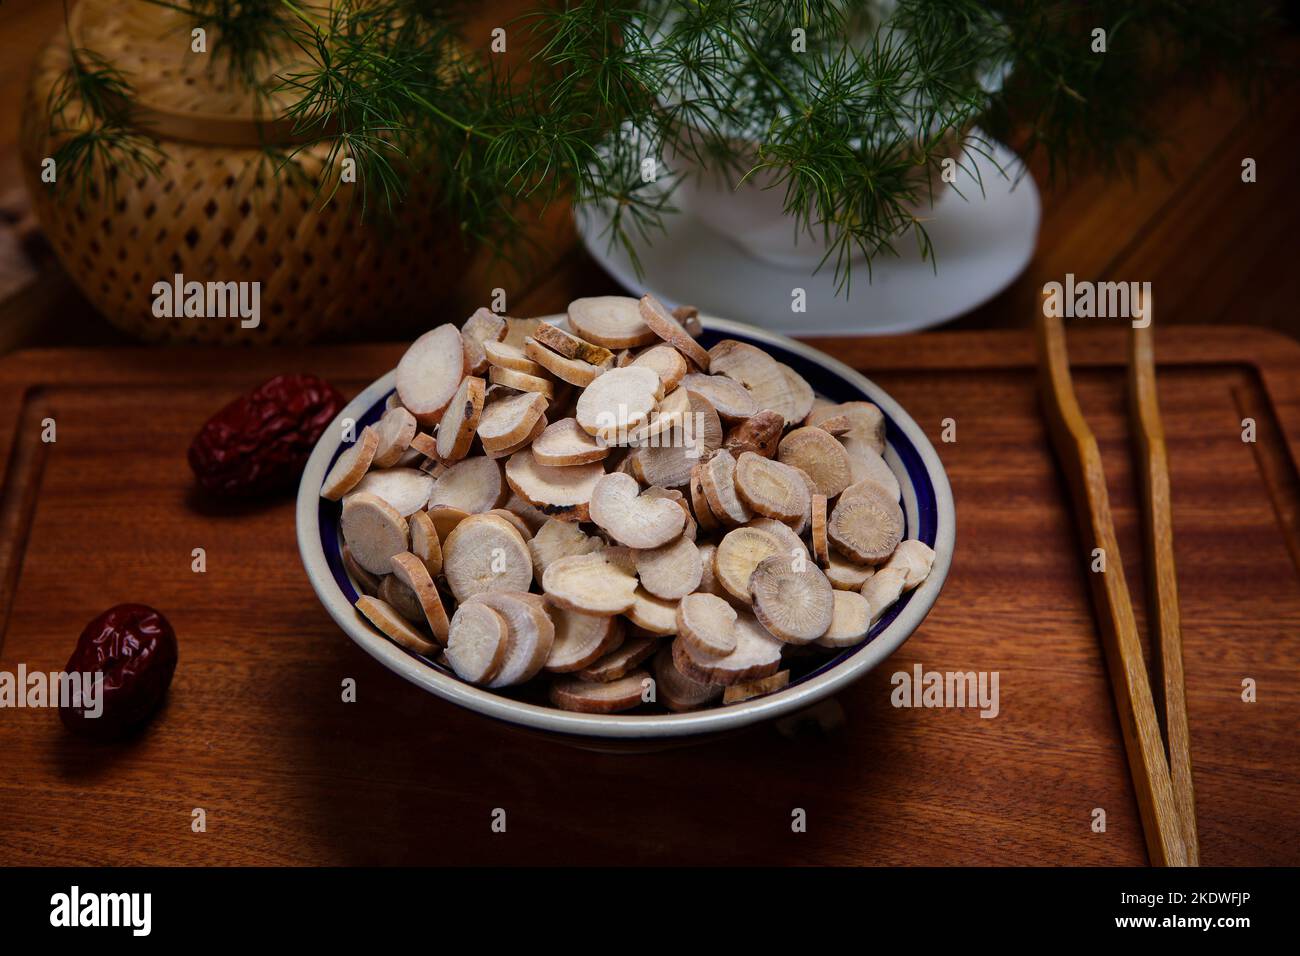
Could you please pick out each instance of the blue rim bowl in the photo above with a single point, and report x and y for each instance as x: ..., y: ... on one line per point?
x: 928, y: 512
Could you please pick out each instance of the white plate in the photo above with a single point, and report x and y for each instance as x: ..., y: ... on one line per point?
x: 981, y: 243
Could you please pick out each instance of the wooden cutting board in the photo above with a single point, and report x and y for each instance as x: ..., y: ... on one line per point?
x: 255, y: 732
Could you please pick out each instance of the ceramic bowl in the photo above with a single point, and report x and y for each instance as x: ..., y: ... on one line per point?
x: 927, y: 507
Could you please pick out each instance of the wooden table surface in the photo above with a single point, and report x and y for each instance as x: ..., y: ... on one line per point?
x: 254, y: 731
x: 256, y: 734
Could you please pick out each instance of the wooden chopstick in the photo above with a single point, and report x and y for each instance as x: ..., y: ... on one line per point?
x: 1077, y: 449
x: 1158, y: 534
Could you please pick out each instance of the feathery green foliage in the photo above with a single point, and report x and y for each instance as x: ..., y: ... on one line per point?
x: 90, y: 124
x: 848, y: 112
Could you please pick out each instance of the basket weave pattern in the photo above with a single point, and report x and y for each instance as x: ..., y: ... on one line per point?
x: 222, y: 213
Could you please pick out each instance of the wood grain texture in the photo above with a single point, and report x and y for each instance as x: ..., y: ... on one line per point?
x: 1167, y: 685
x: 1076, y: 447
x: 255, y: 731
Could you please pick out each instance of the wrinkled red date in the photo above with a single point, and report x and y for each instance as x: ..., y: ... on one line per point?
x: 259, y: 443
x: 134, y: 647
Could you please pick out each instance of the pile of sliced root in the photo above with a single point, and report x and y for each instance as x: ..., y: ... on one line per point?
x: 595, y: 501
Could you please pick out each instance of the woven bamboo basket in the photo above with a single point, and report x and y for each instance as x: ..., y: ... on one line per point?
x: 222, y: 209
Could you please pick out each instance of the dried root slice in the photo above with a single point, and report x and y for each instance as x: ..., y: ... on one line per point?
x: 883, y: 589
x: 527, y: 513
x: 558, y: 492
x: 410, y: 570
x: 620, y: 661
x: 596, y: 583
x: 559, y: 539
x: 799, y: 395
x: 395, y: 428
x: 866, y: 422
x: 570, y: 346
x: 509, y: 418
x: 531, y: 634
x: 708, y: 581
x: 850, y: 622
x: 425, y: 542
x: 836, y: 425
x: 672, y: 494
x: 704, y: 515
x: 425, y: 444
x: 866, y: 465
x: 800, y: 524
x: 732, y: 400
x: 401, y: 599
x: 459, y: 422
x: 373, y: 531
x: 519, y: 329
x: 613, y: 321
x: 430, y: 372
x: 915, y: 559
x: 739, y: 552
x: 593, y: 697
x: 868, y: 527
x: 760, y: 433
x: 652, y: 614
x: 413, y: 458
x: 757, y: 654
x: 670, y: 571
x: 581, y: 639
x: 616, y: 403
x: 477, y: 644
x: 474, y: 485
x: 820, y: 543
x: 750, y: 689
x: 623, y: 557
x: 565, y: 443
x: 445, y: 518
x: 633, y: 519
x: 485, y: 553
x: 792, y: 599
x: 819, y: 455
x: 513, y: 357
x: 351, y: 466
x: 391, y: 624
x: 763, y: 375
x: 689, y: 317
x: 521, y: 381
x: 366, y: 582
x: 718, y: 479
x: 516, y: 522
x: 665, y: 325
x: 667, y: 418
x: 770, y: 488
x: 573, y: 371
x: 675, y: 690
x: 791, y: 543
x: 407, y: 490
x: 671, y: 457
x: 707, y: 624
x: 666, y: 362
x: 482, y: 327
x: 527, y: 441
x: 844, y: 574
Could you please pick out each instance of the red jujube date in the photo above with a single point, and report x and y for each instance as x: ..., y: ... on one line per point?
x: 134, y: 647
x: 259, y: 443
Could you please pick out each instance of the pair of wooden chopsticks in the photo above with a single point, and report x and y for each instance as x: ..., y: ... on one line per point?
x: 1160, y: 766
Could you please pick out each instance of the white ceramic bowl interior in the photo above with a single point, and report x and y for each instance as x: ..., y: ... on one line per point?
x: 927, y: 507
